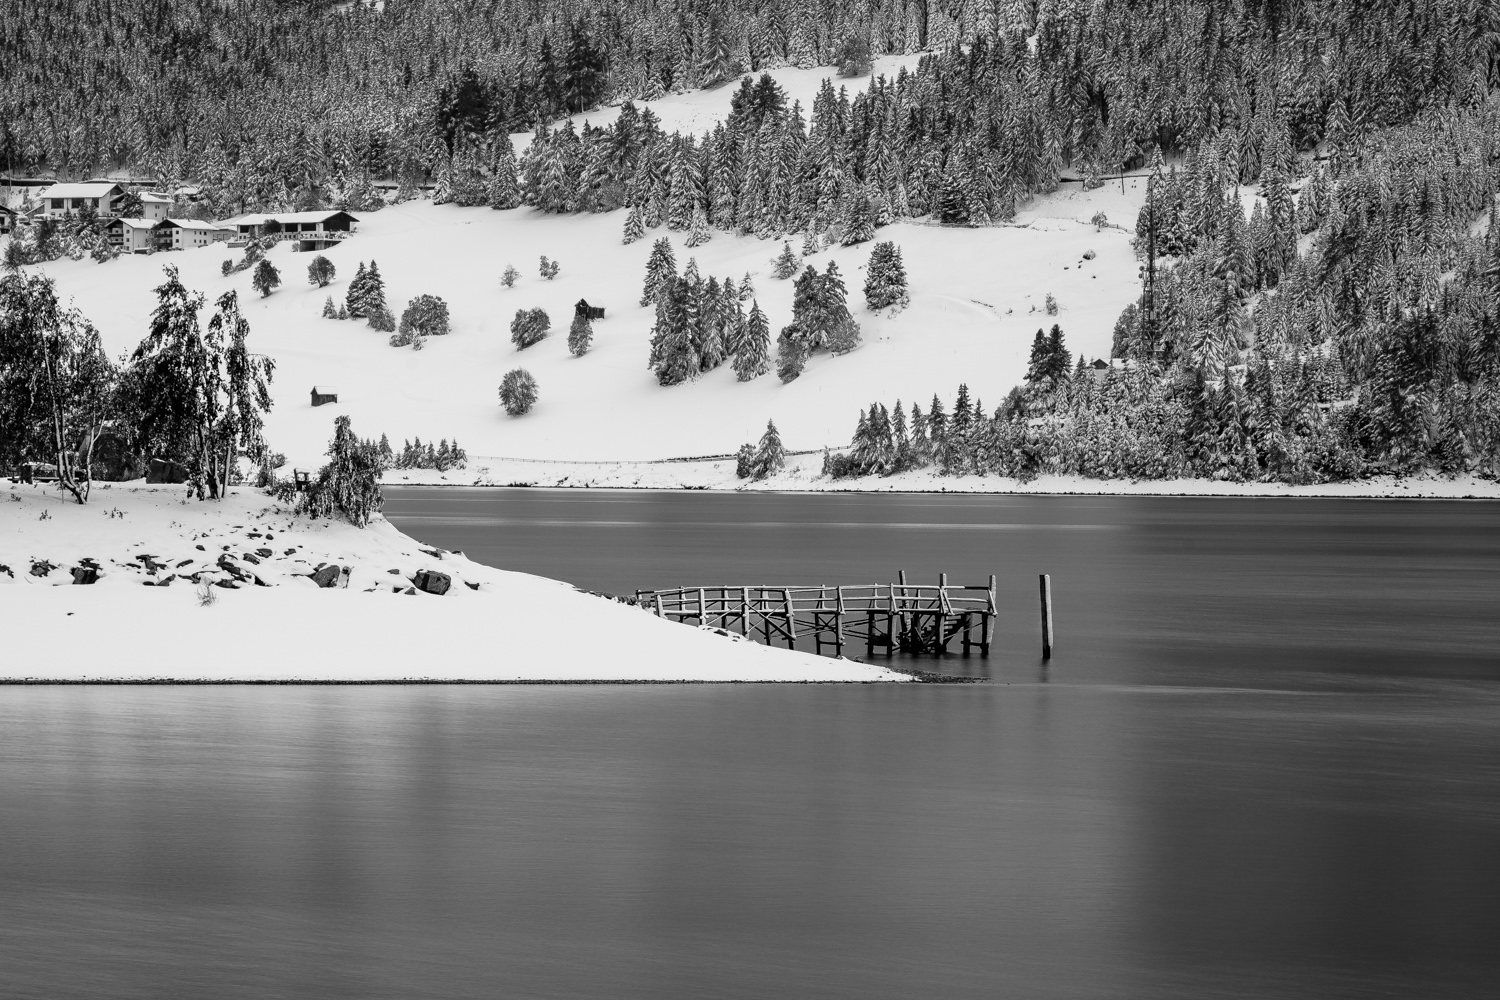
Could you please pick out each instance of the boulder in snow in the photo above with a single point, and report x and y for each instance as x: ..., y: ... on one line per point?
x: 432, y: 581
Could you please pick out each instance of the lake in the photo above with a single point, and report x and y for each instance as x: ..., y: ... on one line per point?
x: 1263, y: 762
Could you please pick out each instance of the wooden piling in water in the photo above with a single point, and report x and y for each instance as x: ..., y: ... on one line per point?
x: 1046, y: 587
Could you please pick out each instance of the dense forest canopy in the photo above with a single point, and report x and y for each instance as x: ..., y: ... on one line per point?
x: 270, y: 102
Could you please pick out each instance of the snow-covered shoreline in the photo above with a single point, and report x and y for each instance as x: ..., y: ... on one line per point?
x: 803, y: 475
x: 269, y: 622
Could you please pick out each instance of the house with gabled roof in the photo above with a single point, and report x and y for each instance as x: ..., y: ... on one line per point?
x: 154, y: 206
x: 130, y: 235
x: 65, y: 199
x: 310, y: 230
x: 187, y: 234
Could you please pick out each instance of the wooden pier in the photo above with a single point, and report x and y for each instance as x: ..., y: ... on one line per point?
x: 911, y: 617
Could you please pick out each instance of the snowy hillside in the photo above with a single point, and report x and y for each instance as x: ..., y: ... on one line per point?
x: 143, y: 618
x: 976, y: 302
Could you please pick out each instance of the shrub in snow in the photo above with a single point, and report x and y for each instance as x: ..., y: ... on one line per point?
x: 321, y: 271
x: 1050, y: 305
x: 266, y: 278
x: 885, y: 277
x: 580, y: 335
x: 549, y: 268
x: 508, y: 279
x: 226, y: 268
x: 529, y: 327
x: 425, y: 316
x: 518, y: 391
x: 1100, y: 220
x: 381, y: 319
x: 1089, y: 255
x: 744, y: 461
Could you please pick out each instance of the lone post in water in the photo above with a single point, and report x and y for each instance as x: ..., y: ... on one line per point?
x: 1046, y: 585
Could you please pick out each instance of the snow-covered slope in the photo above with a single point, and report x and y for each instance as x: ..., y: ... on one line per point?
x: 491, y: 625
x: 976, y: 301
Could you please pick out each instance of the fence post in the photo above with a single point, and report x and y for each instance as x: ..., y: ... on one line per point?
x: 1046, y: 587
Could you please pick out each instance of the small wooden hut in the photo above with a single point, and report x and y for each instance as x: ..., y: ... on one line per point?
x: 324, y: 394
x: 587, y: 311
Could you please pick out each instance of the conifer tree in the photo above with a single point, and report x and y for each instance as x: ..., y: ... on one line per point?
x: 753, y: 357
x: 859, y: 221
x: 660, y: 269
x: 343, y: 312
x: 747, y: 290
x: 885, y: 277
x: 770, y: 456
x: 329, y: 312
x: 354, y: 295
x: 373, y: 297
x: 634, y: 229
x: 810, y: 242
x: 700, y: 233
x: 674, y: 359
x: 508, y: 278
x: 786, y: 264
x: 792, y: 347
x: 580, y: 335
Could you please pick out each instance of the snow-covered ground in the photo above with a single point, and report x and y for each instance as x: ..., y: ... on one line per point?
x: 492, y: 625
x: 802, y: 474
x: 976, y: 302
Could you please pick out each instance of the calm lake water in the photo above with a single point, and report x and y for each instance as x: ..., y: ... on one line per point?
x: 1264, y: 762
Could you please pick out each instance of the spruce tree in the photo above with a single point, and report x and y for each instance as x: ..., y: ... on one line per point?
x: 508, y: 278
x: 770, y: 457
x: 673, y: 356
x: 355, y: 294
x: 700, y: 233
x: 792, y: 348
x: 859, y: 222
x: 374, y: 293
x: 785, y: 265
x: 634, y: 229
x: 885, y: 277
x: 753, y: 358
x: 329, y: 312
x: 810, y: 242
x: 660, y: 269
x: 343, y: 312
x: 747, y: 290
x: 580, y: 335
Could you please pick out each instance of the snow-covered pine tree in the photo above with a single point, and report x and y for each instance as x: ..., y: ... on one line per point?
x: 660, y: 268
x: 329, y: 312
x: 354, y: 296
x: 374, y: 292
x: 508, y: 278
x: 859, y: 221
x: 699, y: 233
x: 810, y: 242
x: 634, y: 229
x: 673, y: 357
x: 792, y: 347
x: 580, y: 335
x: 843, y: 332
x: 785, y: 265
x: 753, y: 357
x: 770, y: 456
x: 505, y: 188
x: 343, y: 311
x: 711, y: 321
x: 747, y: 290
x: 885, y: 277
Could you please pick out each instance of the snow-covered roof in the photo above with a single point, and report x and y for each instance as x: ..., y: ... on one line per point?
x: 260, y: 219
x: 193, y: 224
x: 134, y: 223
x: 96, y: 190
x: 148, y: 198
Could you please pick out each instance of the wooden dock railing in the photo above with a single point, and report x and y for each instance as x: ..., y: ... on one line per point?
x: 915, y: 618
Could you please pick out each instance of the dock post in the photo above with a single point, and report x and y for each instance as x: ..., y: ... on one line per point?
x: 1046, y: 586
x: 745, y: 612
x: 989, y: 621
x: 791, y: 619
x: 660, y: 613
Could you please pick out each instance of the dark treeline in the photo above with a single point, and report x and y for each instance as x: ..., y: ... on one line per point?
x: 271, y: 105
